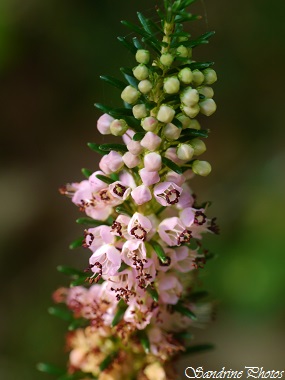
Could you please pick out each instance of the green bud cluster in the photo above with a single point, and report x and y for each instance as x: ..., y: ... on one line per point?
x: 167, y: 91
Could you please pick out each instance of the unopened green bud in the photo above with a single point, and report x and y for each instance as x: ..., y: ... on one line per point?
x: 171, y: 132
x: 202, y: 168
x: 182, y: 51
x: 189, y: 96
x: 185, y: 75
x: 208, y: 107
x: 198, y: 77
x: 141, y: 72
x: 139, y: 111
x: 118, y: 127
x: 185, y: 152
x: 185, y: 120
x: 145, y: 86
x: 199, y: 146
x: 171, y: 85
x: 166, y: 59
x: 149, y: 124
x: 191, y: 111
x: 165, y: 114
x: 143, y: 56
x: 210, y: 76
x: 130, y: 94
x: 194, y: 124
x: 207, y: 91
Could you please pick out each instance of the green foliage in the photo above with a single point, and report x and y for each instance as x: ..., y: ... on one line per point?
x: 171, y: 165
x: 184, y: 311
x: 159, y: 251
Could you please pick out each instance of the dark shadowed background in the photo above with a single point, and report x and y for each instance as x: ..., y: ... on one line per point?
x: 51, y: 55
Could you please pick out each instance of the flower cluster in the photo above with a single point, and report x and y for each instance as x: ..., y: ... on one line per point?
x: 138, y: 296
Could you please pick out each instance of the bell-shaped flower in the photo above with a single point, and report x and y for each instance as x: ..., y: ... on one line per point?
x: 119, y: 191
x: 134, y: 147
x: 152, y: 162
x: 97, y: 236
x: 95, y: 183
x: 149, y: 178
x: 111, y: 162
x: 105, y: 261
x: 104, y: 123
x: 172, y: 176
x: 167, y: 193
x: 138, y: 314
x: 141, y: 194
x: 173, y: 232
x: 120, y: 226
x: 151, y: 141
x: 134, y: 251
x: 169, y: 288
x: 130, y: 160
x: 139, y: 226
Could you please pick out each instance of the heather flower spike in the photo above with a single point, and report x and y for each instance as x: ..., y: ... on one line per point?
x: 129, y: 310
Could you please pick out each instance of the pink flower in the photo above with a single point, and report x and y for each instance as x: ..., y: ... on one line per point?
x: 111, y: 162
x: 103, y: 124
x: 149, y: 178
x: 139, y: 226
x: 134, y: 147
x: 127, y: 137
x: 98, y: 236
x: 169, y: 288
x: 167, y: 193
x: 187, y: 216
x: 173, y: 232
x: 186, y: 199
x: 152, y: 162
x: 178, y: 179
x: 95, y: 183
x: 131, y: 160
x: 120, y: 226
x: 141, y: 194
x: 105, y: 261
x: 138, y: 314
x: 170, y: 153
x: 119, y: 191
x: 134, y: 251
x: 151, y: 141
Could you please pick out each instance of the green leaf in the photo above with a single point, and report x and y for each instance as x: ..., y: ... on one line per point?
x: 127, y: 44
x: 184, y: 311
x: 159, y: 251
x: 139, y: 136
x: 200, y: 65
x: 185, y: 335
x: 137, y: 43
x: 147, y: 38
x: 197, y: 296
x: 198, y: 348
x: 122, y: 210
x: 104, y: 179
x: 107, y: 361
x: 203, y: 39
x: 116, y: 147
x: 177, y: 123
x: 128, y: 74
x: 50, y: 369
x: 118, y: 113
x: 122, y: 307
x: 171, y: 165
x: 145, y: 23
x: 153, y: 293
x: 186, y: 3
x: 86, y: 172
x: 186, y: 17
x: 69, y: 271
x: 61, y: 313
x: 78, y: 281
x: 114, y: 82
x: 95, y: 148
x: 89, y: 221
x: 195, y: 132
x: 76, y: 243
x: 144, y: 341
x: 77, y: 323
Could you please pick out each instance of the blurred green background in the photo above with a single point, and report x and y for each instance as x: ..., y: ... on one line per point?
x: 51, y: 55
